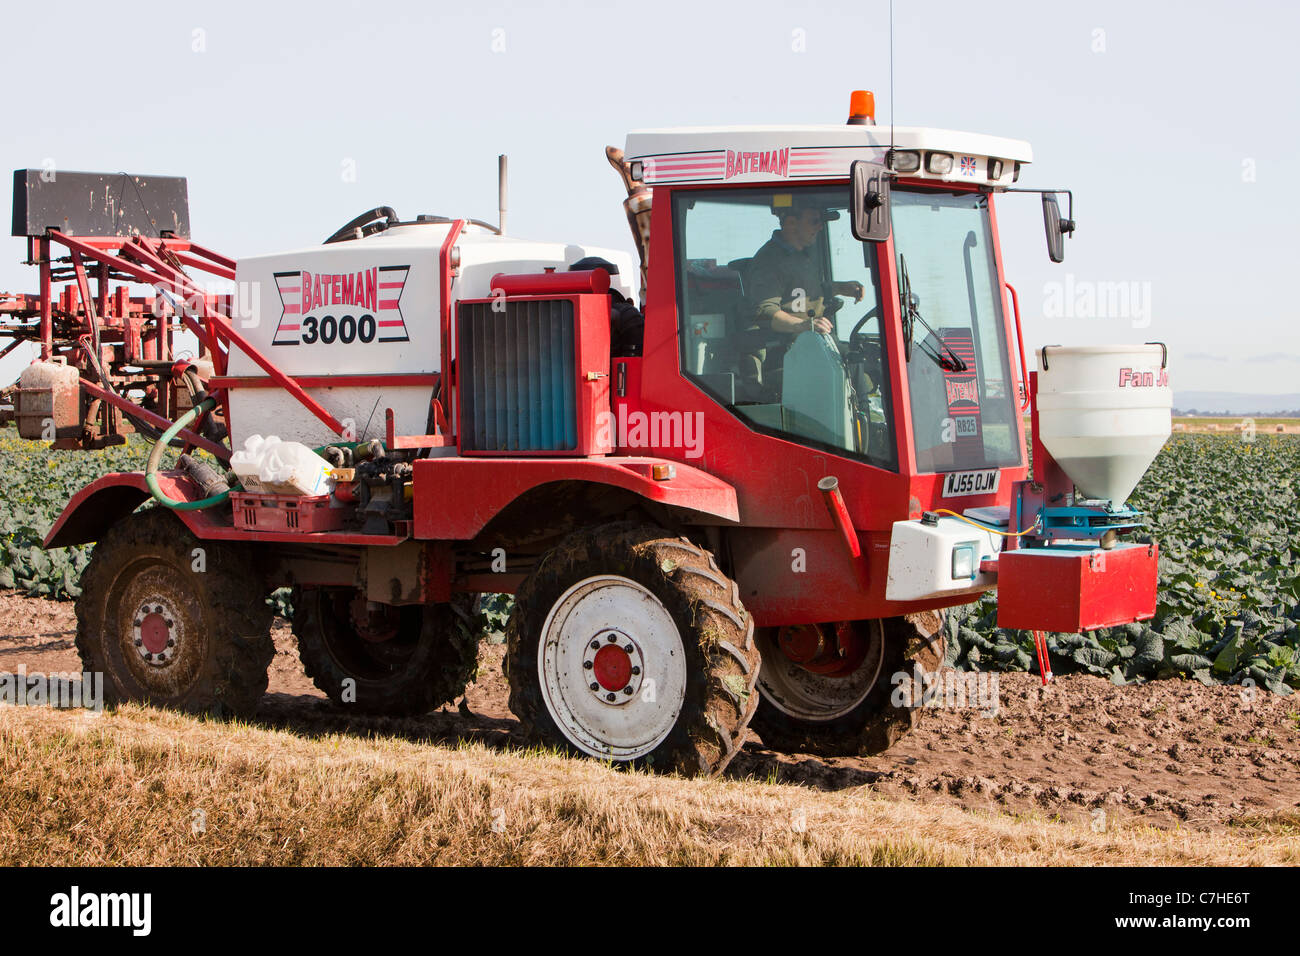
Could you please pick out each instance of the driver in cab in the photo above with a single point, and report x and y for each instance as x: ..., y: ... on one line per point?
x: 787, y: 279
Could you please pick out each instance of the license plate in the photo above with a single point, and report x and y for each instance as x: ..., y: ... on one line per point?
x: 958, y: 483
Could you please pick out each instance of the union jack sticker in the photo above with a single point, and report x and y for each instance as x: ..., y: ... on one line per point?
x: 968, y: 165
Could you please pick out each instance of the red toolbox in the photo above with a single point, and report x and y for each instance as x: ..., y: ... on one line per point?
x: 1070, y: 588
x: 260, y: 512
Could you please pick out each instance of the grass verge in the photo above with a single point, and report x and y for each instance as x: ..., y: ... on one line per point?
x: 144, y: 787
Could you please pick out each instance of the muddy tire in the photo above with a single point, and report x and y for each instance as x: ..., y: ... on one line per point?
x: 629, y: 644
x: 428, y: 660
x: 166, y: 633
x: 833, y: 717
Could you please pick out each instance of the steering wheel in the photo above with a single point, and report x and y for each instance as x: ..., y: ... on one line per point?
x: 874, y: 313
x: 367, y: 224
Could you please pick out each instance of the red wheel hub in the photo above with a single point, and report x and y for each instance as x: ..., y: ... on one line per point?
x: 154, y: 633
x: 831, y: 650
x: 803, y: 643
x: 612, y: 667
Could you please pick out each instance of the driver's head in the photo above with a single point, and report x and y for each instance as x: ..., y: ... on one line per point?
x: 800, y: 221
x: 799, y: 227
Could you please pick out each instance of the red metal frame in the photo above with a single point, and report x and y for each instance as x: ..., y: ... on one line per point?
x: 147, y: 261
x: 194, y: 439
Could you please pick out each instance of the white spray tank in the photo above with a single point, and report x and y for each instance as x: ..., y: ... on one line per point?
x: 1104, y: 413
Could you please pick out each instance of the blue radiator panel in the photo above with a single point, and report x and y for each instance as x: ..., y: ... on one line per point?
x: 518, y: 376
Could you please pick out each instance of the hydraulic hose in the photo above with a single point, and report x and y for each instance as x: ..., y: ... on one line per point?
x: 155, y: 459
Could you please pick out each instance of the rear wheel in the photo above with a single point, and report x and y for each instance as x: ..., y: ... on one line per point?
x: 400, y: 661
x: 629, y: 644
x: 172, y: 620
x: 829, y: 689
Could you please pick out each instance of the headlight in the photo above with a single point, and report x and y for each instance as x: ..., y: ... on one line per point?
x: 940, y: 164
x: 904, y: 161
x: 964, y: 560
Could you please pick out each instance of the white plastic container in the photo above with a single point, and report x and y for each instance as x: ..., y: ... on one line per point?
x: 1104, y: 413
x: 271, y: 466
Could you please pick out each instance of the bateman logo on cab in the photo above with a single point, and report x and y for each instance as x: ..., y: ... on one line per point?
x: 772, y: 162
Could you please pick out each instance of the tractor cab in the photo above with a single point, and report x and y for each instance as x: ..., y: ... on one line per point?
x: 898, y: 352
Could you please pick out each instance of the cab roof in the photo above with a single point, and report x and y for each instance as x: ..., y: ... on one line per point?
x: 745, y: 154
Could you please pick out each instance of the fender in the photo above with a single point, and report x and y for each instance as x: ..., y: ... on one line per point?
x: 108, y: 499
x: 101, y: 504
x: 455, y: 498
x: 96, y: 508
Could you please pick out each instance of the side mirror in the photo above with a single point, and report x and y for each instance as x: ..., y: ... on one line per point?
x: 869, y: 202
x: 1056, y: 228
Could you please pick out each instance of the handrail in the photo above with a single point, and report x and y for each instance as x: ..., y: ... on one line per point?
x: 1020, y: 339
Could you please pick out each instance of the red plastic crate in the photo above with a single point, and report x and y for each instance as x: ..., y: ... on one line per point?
x: 258, y: 512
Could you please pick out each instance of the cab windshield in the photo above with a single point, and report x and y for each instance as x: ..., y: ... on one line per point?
x: 958, y: 370
x: 781, y: 318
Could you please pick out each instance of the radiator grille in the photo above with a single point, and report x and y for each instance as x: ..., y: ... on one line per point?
x: 518, y: 379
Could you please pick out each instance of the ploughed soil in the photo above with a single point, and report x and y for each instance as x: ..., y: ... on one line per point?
x: 1167, y: 753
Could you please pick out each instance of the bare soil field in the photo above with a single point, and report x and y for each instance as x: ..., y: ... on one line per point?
x: 1174, y: 755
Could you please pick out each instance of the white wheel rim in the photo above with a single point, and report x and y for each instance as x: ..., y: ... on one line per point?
x: 156, y: 631
x: 801, y: 694
x: 591, y: 612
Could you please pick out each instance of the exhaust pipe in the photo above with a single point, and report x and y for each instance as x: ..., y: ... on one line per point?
x: 637, y: 207
x: 501, y: 194
x: 830, y: 489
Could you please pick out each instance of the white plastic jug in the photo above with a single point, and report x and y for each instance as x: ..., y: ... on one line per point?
x: 271, y: 466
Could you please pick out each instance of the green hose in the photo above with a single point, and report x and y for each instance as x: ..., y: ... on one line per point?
x: 155, y: 459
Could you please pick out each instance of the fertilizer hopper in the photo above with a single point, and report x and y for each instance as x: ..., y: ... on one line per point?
x: 1101, y: 414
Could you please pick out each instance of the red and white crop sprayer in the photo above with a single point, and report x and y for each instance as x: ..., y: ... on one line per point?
x: 731, y: 486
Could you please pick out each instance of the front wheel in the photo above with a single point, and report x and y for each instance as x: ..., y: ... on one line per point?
x: 629, y: 644
x: 829, y: 689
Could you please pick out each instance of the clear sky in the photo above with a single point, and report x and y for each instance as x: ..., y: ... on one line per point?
x: 1173, y: 124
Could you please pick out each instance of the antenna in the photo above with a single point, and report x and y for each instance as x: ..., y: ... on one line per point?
x: 890, y: 157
